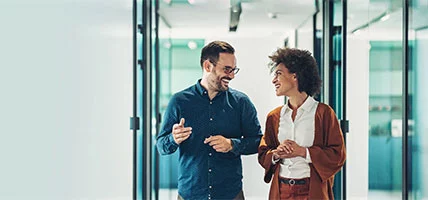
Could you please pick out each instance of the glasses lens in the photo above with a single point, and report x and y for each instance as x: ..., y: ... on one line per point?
x: 229, y: 70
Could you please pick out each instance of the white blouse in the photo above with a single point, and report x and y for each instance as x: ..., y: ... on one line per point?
x: 302, y: 131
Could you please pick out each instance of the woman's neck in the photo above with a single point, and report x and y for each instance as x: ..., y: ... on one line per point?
x: 297, y: 100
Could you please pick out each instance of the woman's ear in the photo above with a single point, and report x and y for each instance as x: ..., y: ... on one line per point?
x: 207, y: 66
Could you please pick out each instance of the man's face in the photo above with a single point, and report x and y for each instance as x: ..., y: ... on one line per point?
x: 218, y: 79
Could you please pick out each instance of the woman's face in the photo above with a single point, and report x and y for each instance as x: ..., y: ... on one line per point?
x: 285, y: 82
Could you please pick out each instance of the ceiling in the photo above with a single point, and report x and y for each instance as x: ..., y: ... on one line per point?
x: 211, y: 17
x: 208, y: 18
x: 266, y: 17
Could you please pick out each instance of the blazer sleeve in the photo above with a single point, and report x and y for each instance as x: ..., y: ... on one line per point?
x: 328, y: 155
x: 268, y: 143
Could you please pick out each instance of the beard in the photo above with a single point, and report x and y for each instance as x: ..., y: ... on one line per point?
x: 221, y: 87
x: 217, y: 83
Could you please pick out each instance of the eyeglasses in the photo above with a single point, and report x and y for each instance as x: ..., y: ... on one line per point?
x: 228, y: 69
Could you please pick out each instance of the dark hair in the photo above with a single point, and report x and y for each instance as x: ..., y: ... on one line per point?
x: 212, y: 50
x: 302, y: 64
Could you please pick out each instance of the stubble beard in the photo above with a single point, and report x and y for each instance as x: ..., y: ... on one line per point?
x: 217, y: 85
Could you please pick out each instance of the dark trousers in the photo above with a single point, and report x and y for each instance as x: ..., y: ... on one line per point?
x: 240, y: 196
x: 294, y: 189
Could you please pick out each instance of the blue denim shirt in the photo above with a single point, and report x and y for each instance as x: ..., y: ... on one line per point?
x: 203, y: 172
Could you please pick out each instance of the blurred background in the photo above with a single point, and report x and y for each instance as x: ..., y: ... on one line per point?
x: 84, y: 84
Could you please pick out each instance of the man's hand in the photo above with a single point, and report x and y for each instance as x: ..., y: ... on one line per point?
x: 181, y: 133
x: 219, y: 143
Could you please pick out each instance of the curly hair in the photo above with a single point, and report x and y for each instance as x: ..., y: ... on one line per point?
x: 302, y: 64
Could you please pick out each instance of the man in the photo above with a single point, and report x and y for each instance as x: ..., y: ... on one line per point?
x: 303, y: 146
x: 212, y: 125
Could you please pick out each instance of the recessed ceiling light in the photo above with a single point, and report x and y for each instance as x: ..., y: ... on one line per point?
x: 272, y: 15
x: 384, y: 18
x: 357, y: 32
x: 167, y: 45
x: 192, y: 45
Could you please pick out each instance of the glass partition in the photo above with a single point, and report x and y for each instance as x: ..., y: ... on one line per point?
x: 418, y: 96
x: 138, y: 105
x: 357, y: 63
x: 375, y: 61
x: 385, y: 99
x: 178, y: 58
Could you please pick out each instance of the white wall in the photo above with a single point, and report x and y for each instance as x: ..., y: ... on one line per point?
x: 254, y: 79
x: 357, y: 111
x: 66, y: 83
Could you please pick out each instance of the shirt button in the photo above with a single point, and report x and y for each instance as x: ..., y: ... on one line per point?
x: 210, y: 186
x: 209, y: 197
x: 211, y: 102
x: 209, y: 171
x: 211, y: 119
x: 210, y: 154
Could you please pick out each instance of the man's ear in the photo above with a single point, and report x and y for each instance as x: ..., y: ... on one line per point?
x: 206, y: 65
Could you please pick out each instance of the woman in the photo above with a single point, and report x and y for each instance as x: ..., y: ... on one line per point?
x: 303, y: 147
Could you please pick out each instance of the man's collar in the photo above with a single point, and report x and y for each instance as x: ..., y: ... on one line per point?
x: 199, y: 88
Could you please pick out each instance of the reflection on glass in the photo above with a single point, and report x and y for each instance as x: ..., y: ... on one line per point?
x: 385, y: 101
x: 385, y: 108
x: 385, y: 118
x: 181, y: 58
x: 139, y: 137
x: 418, y: 138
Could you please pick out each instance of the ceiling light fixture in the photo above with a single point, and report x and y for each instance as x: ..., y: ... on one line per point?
x: 272, y: 15
x: 192, y: 45
x: 382, y: 17
x: 235, y: 13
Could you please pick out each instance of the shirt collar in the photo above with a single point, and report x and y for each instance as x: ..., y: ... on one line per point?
x: 201, y: 90
x: 306, y: 106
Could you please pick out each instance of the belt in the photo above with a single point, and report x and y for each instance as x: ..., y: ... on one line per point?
x: 294, y: 181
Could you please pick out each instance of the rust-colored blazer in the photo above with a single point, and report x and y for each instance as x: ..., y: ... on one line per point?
x: 327, y: 153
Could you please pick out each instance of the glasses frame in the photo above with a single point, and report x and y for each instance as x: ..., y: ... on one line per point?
x: 227, y: 69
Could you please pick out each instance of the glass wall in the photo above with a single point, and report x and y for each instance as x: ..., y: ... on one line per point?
x: 375, y: 57
x: 178, y: 58
x: 418, y: 96
x: 138, y: 96
x: 66, y: 99
x: 357, y: 102
x: 385, y: 100
x: 385, y: 117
